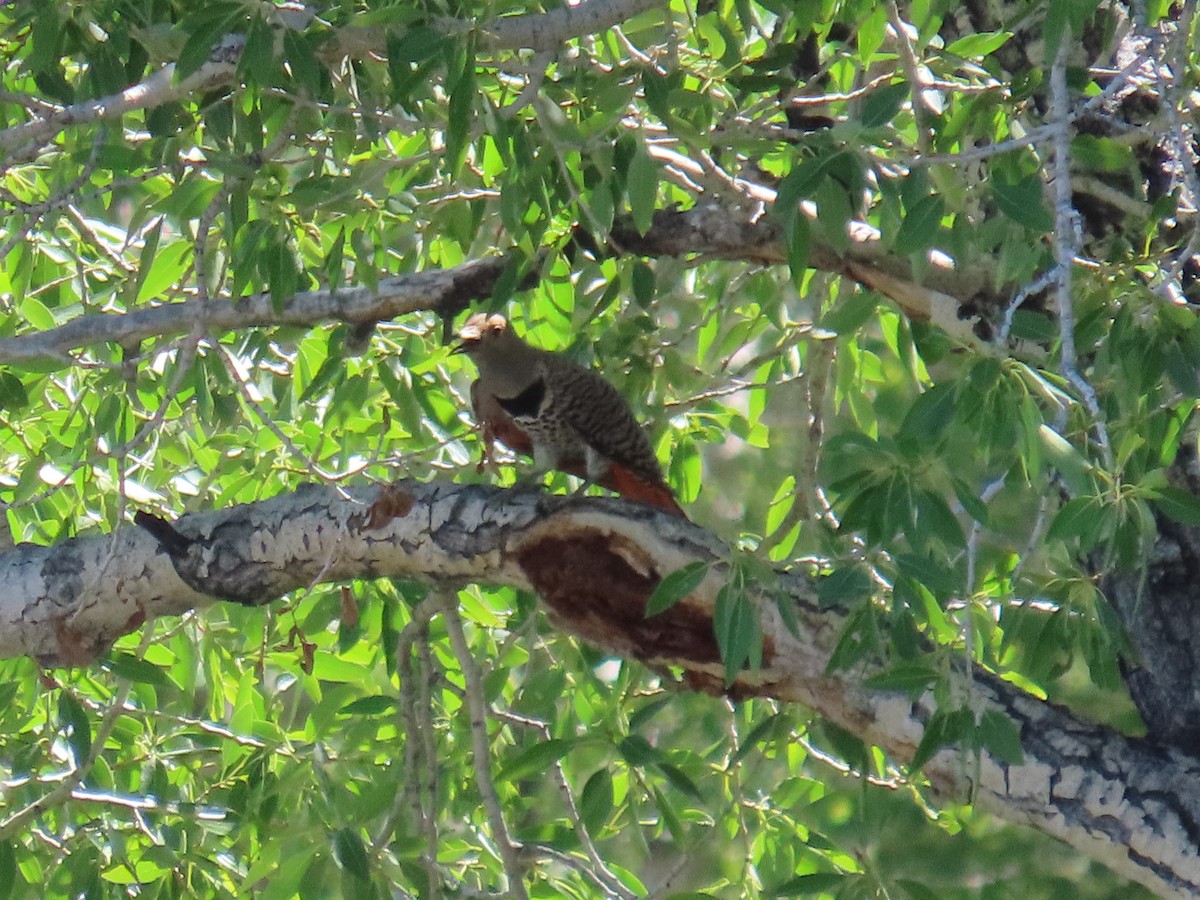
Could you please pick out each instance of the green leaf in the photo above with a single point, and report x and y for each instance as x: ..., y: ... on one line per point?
x: 369, y: 706
x: 657, y: 91
x: 944, y: 728
x: 882, y: 105
x: 126, y: 665
x: 146, y: 257
x: 1178, y: 505
x: 198, y: 48
x: 416, y: 45
x: 970, y: 501
x: 302, y: 61
x: 833, y: 213
x: 737, y: 629
x: 929, y: 414
x: 999, y: 735
x: 73, y: 720
x: 814, y: 883
x: 850, y: 314
x: 1022, y: 202
x: 920, y: 225
x: 908, y: 678
x: 538, y: 758
x: 849, y: 747
x: 670, y: 818
x: 1078, y: 518
x: 36, y: 314
x: 750, y: 741
x: 642, y: 280
x: 642, y: 189
x: 1101, y: 153
x: 917, y: 891
x: 1076, y: 471
x: 351, y: 853
x: 645, y: 713
x: 799, y: 235
x: 596, y: 801
x: 462, y: 102
x: 680, y: 781
x: 334, y: 260
x: 935, y: 519
x: 974, y: 46
x: 12, y: 392
x: 675, y: 586
x: 257, y: 61
x: 638, y: 751
x: 164, y: 270
x: 8, y: 868
x: 843, y: 587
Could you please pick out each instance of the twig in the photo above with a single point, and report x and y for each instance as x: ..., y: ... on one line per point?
x: 75, y: 777
x: 252, y: 402
x: 477, y: 705
x: 1185, y: 158
x: 602, y: 875
x: 159, y: 88
x: 1036, y: 286
x: 541, y: 62
x: 1066, y: 243
x: 912, y: 71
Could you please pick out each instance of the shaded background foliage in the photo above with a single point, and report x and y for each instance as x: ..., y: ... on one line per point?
x: 298, y: 750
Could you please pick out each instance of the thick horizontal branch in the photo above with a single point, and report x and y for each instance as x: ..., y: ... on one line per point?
x: 945, y: 296
x: 705, y: 230
x: 1131, y: 804
x: 445, y: 290
x: 551, y: 29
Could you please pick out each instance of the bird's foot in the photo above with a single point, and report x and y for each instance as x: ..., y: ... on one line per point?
x: 529, y: 482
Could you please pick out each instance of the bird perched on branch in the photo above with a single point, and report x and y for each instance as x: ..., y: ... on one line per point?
x: 566, y: 417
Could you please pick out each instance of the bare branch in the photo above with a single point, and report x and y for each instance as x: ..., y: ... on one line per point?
x: 1066, y: 245
x: 159, y: 88
x: 445, y: 290
x: 477, y: 704
x: 549, y: 30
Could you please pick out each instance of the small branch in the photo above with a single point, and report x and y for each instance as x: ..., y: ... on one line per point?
x: 550, y: 30
x: 912, y: 71
x: 477, y: 704
x: 1066, y: 244
x: 159, y: 88
x: 600, y: 872
x: 60, y: 794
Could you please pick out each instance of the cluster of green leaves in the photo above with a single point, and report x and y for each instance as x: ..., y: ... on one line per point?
x: 297, y: 175
x: 240, y: 765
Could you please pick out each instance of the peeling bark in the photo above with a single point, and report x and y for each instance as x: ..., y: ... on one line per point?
x: 1131, y: 804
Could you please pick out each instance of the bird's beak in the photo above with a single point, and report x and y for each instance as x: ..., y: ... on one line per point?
x: 460, y: 347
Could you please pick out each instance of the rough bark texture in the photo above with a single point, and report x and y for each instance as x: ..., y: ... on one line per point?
x: 1132, y: 804
x: 1159, y: 610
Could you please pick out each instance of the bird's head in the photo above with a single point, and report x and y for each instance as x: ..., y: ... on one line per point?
x: 483, y: 335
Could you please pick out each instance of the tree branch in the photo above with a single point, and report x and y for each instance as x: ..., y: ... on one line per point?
x: 1131, y: 804
x: 534, y: 31
x: 445, y: 290
x: 154, y: 91
x: 550, y: 30
x: 710, y: 230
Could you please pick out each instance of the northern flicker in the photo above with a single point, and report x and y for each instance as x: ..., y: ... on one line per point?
x: 566, y: 417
